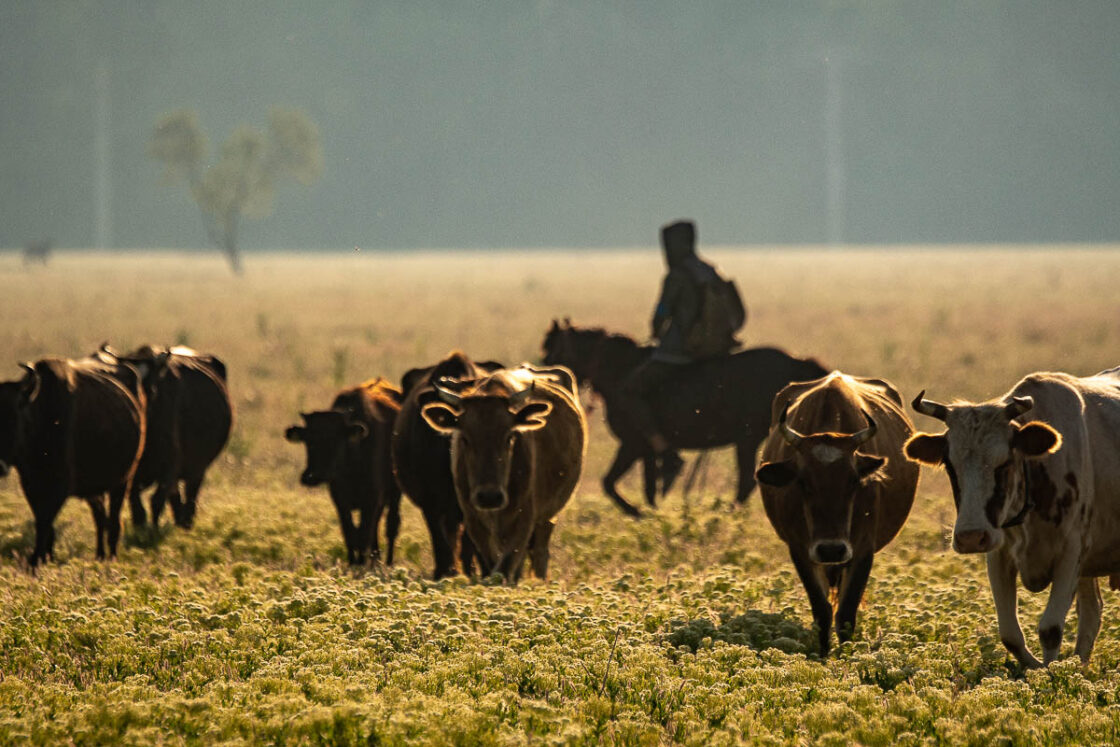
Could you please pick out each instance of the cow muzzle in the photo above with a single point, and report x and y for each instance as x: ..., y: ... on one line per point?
x: 830, y: 552
x: 969, y: 541
x: 490, y: 499
x: 4, y: 468
x: 310, y: 479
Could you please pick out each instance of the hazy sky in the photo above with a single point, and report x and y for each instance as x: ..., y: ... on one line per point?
x: 577, y: 123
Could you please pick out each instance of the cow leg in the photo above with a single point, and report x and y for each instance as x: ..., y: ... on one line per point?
x: 44, y: 537
x: 1003, y: 578
x: 1062, y: 590
x: 627, y: 454
x: 745, y: 461
x: 97, y: 508
x: 512, y: 563
x: 538, y: 548
x: 1088, y: 616
x: 346, y: 524
x: 852, y: 586
x: 136, y: 507
x: 817, y: 589
x: 160, y: 498
x: 369, y: 518
x: 649, y: 479
x: 393, y: 522
x: 116, y: 502
x: 184, y: 510
x: 442, y: 549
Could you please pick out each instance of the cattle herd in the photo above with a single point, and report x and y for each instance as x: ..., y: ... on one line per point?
x: 491, y: 455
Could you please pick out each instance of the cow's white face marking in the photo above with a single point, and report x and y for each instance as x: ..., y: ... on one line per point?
x: 979, y: 444
x: 827, y: 454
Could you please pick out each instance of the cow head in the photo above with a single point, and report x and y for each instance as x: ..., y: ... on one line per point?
x: 327, y: 435
x: 15, y: 400
x: 485, y: 429
x: 824, y: 474
x: 983, y: 452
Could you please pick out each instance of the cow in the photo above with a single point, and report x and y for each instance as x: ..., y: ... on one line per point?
x: 37, y: 251
x: 518, y: 440
x: 422, y: 461
x: 836, y: 487
x: 190, y: 417
x: 1035, y: 476
x: 72, y: 428
x: 348, y: 448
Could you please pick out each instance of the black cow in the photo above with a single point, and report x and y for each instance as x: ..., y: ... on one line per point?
x: 422, y: 461
x: 348, y: 448
x: 189, y: 415
x: 72, y: 428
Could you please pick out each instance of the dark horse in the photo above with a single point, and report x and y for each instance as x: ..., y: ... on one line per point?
x: 717, y: 402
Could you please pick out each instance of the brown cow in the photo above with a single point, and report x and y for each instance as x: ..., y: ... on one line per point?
x: 348, y: 447
x: 836, y: 486
x: 422, y: 461
x: 518, y: 440
x: 70, y: 428
x: 190, y: 416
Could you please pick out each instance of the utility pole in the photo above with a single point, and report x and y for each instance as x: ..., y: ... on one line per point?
x: 836, y: 177
x: 102, y: 181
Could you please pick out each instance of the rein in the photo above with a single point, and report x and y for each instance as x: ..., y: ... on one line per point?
x: 1028, y: 500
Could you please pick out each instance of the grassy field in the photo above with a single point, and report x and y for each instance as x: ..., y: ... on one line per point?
x: 688, y: 626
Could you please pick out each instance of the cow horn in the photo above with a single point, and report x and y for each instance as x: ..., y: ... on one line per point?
x: 448, y: 396
x: 792, y: 437
x: 929, y: 407
x: 858, y: 439
x: 1017, y: 406
x: 518, y: 398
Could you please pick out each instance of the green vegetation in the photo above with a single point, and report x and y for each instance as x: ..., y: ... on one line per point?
x: 688, y: 626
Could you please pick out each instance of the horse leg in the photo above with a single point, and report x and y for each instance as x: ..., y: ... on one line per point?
x: 745, y: 460
x: 627, y: 454
x: 649, y: 479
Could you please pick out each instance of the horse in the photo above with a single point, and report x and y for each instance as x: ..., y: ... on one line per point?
x: 714, y: 402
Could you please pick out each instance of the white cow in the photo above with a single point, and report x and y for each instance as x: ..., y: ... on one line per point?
x: 1036, y: 479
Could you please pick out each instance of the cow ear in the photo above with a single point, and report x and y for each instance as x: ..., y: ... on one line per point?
x: 777, y: 474
x: 356, y: 431
x: 295, y: 434
x: 532, y: 417
x: 412, y: 378
x: 29, y: 385
x: 867, y: 465
x: 440, y: 417
x: 1036, y: 439
x: 926, y: 448
x: 555, y: 326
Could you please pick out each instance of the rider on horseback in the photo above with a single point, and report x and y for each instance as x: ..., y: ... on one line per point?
x: 696, y: 317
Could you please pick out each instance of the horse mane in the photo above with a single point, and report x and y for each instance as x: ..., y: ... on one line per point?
x: 615, y: 340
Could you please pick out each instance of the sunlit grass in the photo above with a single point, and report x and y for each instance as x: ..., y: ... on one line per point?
x: 688, y: 626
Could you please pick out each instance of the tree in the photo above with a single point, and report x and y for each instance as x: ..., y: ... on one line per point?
x: 242, y: 182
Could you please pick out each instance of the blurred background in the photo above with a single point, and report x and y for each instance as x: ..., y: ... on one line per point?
x: 574, y: 123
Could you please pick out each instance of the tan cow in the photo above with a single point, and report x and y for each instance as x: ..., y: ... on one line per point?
x: 517, y: 445
x: 1036, y: 478
x: 836, y: 486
